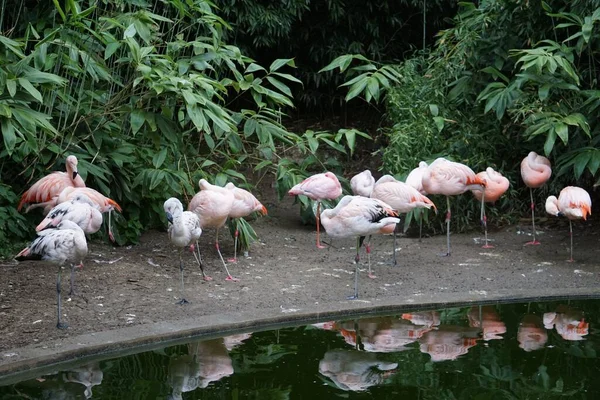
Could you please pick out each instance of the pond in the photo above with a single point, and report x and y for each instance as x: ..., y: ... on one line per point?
x: 535, y: 350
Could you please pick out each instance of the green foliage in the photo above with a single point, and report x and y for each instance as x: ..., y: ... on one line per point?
x: 149, y: 99
x: 12, y: 224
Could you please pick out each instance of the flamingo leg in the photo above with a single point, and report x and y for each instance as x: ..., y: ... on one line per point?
x: 358, y: 244
x: 368, y: 248
x: 571, y: 235
x: 72, y: 279
x: 420, y: 228
x: 235, y: 240
x: 319, y: 245
x: 183, y: 300
x: 484, y: 222
x: 355, y: 296
x: 229, y: 277
x: 448, y: 216
x: 110, y: 233
x: 533, y: 242
x: 199, y: 261
x: 59, y: 324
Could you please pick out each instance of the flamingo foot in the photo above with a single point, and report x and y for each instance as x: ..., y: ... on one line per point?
x: 320, y: 246
x: 207, y: 278
x: 232, y: 260
x: 445, y: 255
x: 232, y: 279
x: 370, y: 275
x: 192, y: 248
x: 79, y: 266
x: 570, y: 260
x: 353, y: 297
x: 111, y: 237
x: 532, y: 243
x: 62, y: 325
x: 183, y: 302
x: 488, y: 246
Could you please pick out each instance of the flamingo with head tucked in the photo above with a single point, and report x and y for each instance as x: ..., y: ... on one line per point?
x: 450, y: 179
x: 43, y: 192
x: 535, y: 171
x: 401, y: 197
x: 359, y: 216
x: 362, y: 184
x: 496, y: 186
x: 574, y: 203
x: 319, y: 187
x: 213, y: 204
x: 244, y: 204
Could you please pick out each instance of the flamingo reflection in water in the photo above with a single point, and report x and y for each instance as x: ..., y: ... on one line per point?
x: 89, y: 375
x: 569, y: 323
x: 425, y: 318
x: 448, y: 342
x: 207, y: 361
x: 353, y: 370
x: 489, y: 321
x: 382, y: 334
x: 531, y: 334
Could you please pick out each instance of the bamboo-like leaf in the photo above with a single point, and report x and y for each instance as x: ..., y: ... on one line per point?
x: 25, y: 84
x: 341, y: 62
x: 8, y: 133
x: 275, y: 65
x: 11, y: 86
x: 281, y: 86
x: 136, y: 119
x: 288, y: 77
x: 159, y: 158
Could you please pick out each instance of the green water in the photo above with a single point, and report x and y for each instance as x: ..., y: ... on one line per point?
x: 440, y: 354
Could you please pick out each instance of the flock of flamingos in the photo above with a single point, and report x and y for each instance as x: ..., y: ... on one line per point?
x: 72, y: 209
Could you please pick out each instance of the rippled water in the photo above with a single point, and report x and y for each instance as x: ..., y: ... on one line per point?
x: 509, y: 351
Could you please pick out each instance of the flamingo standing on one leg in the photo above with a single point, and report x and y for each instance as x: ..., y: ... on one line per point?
x: 362, y: 184
x: 450, y: 179
x: 319, y: 187
x: 43, y: 192
x: 106, y: 204
x: 184, y: 230
x: 535, y: 171
x: 496, y: 186
x: 81, y: 210
x: 574, y: 203
x: 401, y: 197
x: 244, y: 204
x: 415, y: 179
x: 213, y: 204
x: 359, y: 216
x: 64, y: 243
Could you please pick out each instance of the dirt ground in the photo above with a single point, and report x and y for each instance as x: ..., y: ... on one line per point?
x: 138, y: 285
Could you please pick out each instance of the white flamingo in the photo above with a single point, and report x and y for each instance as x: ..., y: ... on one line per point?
x: 362, y: 184
x: 65, y: 243
x: 184, y: 230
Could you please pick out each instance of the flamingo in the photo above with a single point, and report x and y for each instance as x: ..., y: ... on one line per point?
x: 319, y: 187
x: 415, y: 179
x: 42, y: 193
x: 106, y: 204
x: 450, y: 179
x: 213, y: 204
x: 184, y: 230
x: 496, y: 186
x: 244, y: 204
x: 531, y: 334
x: 535, y: 171
x: 574, y: 203
x: 401, y: 197
x: 359, y: 216
x: 362, y: 184
x: 64, y: 243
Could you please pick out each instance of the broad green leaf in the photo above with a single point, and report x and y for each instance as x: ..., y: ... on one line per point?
x: 159, y: 158
x: 136, y: 119
x: 562, y: 131
x: 544, y: 91
x: 8, y: 133
x: 129, y: 32
x: 253, y: 68
x: 279, y: 85
x: 350, y: 139
x: 341, y: 62
x: 549, y: 144
x: 434, y: 110
x: 25, y: 84
x: 5, y: 111
x: 439, y: 123
x: 288, y: 77
x: 275, y: 65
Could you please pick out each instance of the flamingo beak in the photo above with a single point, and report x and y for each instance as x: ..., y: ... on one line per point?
x: 169, y: 217
x: 48, y: 226
x: 75, y: 173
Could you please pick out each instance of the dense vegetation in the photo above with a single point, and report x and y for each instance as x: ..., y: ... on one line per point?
x: 151, y: 96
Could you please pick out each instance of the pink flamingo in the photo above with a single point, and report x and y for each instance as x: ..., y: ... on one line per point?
x: 450, y: 179
x: 401, y: 197
x: 106, y: 204
x: 43, y: 192
x: 574, y: 203
x: 415, y: 179
x: 319, y: 187
x: 64, y: 243
x: 184, y: 230
x: 531, y: 334
x: 362, y: 184
x: 496, y: 186
x: 359, y: 216
x: 244, y: 204
x: 535, y: 171
x: 213, y: 204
